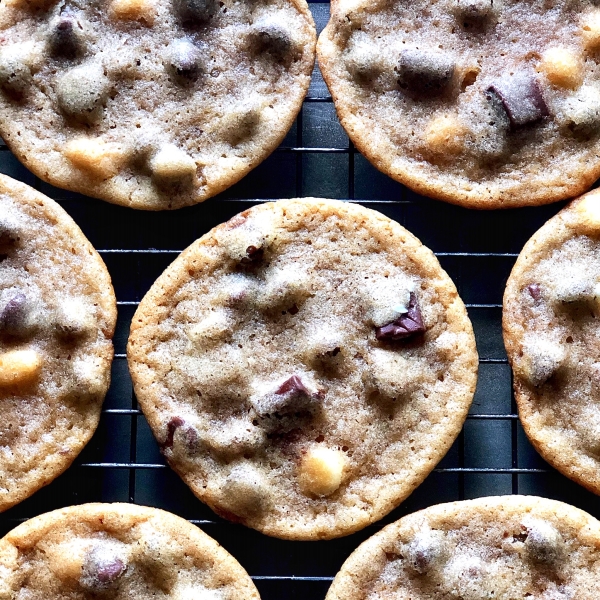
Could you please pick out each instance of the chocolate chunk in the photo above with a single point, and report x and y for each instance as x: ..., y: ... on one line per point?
x: 534, y: 291
x: 253, y: 255
x: 65, y: 37
x: 101, y: 568
x: 110, y: 571
x: 81, y: 91
x: 424, y: 73
x: 425, y: 551
x: 544, y: 543
x: 9, y: 235
x: 406, y: 325
x: 290, y: 402
x: 475, y: 14
x: 273, y: 39
x: 184, y: 59
x: 292, y: 385
x: 15, y: 316
x: 195, y: 11
x: 520, y: 97
x: 172, y: 427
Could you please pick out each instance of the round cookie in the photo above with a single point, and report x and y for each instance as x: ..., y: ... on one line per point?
x: 304, y: 366
x: 57, y: 319
x: 551, y: 322
x: 504, y: 547
x: 117, y: 551
x: 482, y: 103
x: 153, y: 104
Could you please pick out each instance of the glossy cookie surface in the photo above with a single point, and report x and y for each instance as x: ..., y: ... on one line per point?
x: 551, y: 321
x: 57, y: 318
x: 505, y: 547
x: 304, y: 366
x: 153, y: 104
x: 483, y: 103
x: 117, y: 551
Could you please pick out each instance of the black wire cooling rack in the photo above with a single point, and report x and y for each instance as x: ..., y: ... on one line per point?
x: 491, y: 456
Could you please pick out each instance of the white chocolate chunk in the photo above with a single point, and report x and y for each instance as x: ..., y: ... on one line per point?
x: 588, y: 213
x: 19, y: 367
x: 581, y: 111
x: 133, y: 10
x: 541, y: 359
x: 322, y: 470
x: 445, y: 134
x: 97, y: 157
x: 590, y: 29
x: 170, y: 162
x: 562, y: 67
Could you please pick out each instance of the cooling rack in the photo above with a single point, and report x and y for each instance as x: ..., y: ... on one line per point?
x: 477, y: 249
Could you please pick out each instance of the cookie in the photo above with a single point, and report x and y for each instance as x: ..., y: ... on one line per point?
x: 117, y: 551
x: 504, y: 547
x: 57, y: 318
x: 304, y: 366
x: 482, y: 103
x: 551, y: 322
x: 153, y: 104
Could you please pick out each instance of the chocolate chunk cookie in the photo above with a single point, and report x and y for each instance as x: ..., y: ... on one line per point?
x: 153, y: 104
x: 483, y: 103
x: 117, y: 551
x: 57, y: 318
x: 304, y: 366
x: 551, y: 321
x: 506, y: 547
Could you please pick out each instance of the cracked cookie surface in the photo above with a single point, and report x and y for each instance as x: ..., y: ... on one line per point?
x: 153, y: 104
x: 483, y: 103
x: 551, y: 322
x: 117, y: 551
x: 57, y: 319
x: 304, y: 366
x: 505, y: 547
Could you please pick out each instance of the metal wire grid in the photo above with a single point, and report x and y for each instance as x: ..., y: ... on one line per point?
x: 478, y: 249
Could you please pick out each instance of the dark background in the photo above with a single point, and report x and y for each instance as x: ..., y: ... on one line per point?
x: 477, y: 249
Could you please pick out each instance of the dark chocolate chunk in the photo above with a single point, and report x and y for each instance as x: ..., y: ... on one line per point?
x: 424, y: 73
x: 520, y: 97
x: 14, y: 315
x: 172, y: 426
x: 65, y: 37
x: 253, y: 255
x: 184, y: 59
x: 273, y: 39
x: 534, y: 291
x: 475, y: 14
x: 294, y: 385
x: 406, y: 325
x: 195, y: 11
x: 8, y: 236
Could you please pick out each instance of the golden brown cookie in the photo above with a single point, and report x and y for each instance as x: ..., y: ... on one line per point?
x: 504, y: 547
x: 483, y: 103
x: 551, y: 321
x: 153, y: 104
x: 304, y: 366
x: 57, y: 319
x: 117, y: 551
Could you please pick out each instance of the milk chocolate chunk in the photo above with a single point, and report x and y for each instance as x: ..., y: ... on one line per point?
x: 520, y: 97
x: 544, y: 543
x: 15, y: 315
x: 292, y: 385
x: 184, y: 59
x: 253, y: 254
x: 172, y: 426
x: 425, y: 551
x: 424, y: 73
x: 534, y: 291
x: 101, y: 569
x: 195, y: 11
x: 406, y: 325
x: 272, y: 38
x: 66, y: 36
